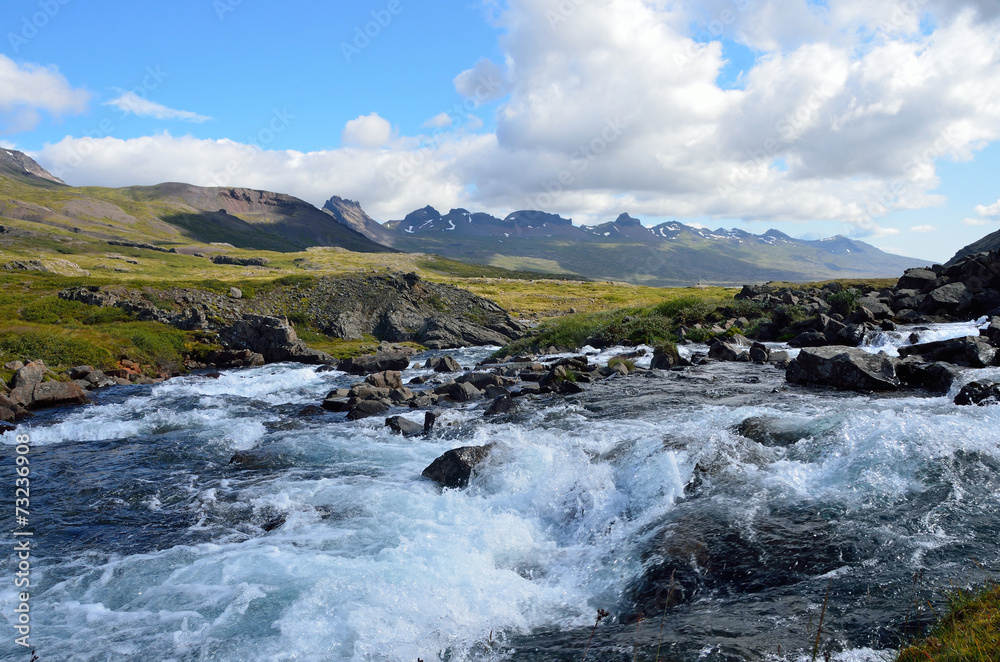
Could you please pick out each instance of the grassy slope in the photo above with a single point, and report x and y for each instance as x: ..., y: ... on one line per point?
x: 968, y: 632
x: 48, y: 222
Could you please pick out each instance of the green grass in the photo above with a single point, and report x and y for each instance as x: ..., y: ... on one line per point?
x: 657, y: 325
x: 968, y: 632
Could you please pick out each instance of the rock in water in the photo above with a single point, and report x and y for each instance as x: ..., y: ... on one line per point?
x: 404, y: 426
x: 844, y: 368
x: 970, y: 351
x: 381, y: 362
x: 979, y: 393
x: 935, y: 377
x: 454, y: 468
x: 501, y: 405
x: 443, y: 364
x: 386, y: 379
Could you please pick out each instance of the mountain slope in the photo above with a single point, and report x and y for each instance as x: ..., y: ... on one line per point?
x: 21, y: 166
x: 668, y: 254
x: 350, y: 213
x: 168, y: 215
x: 990, y: 242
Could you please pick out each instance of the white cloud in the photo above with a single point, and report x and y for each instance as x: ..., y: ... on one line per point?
x: 28, y: 89
x: 617, y: 107
x: 483, y: 83
x: 130, y: 102
x: 923, y: 229
x: 439, y: 121
x: 367, y: 131
x: 989, y: 210
x: 975, y: 222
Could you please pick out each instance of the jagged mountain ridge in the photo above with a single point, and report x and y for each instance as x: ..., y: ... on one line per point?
x: 670, y: 253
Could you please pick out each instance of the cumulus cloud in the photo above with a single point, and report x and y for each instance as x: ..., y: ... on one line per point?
x: 439, y: 121
x: 989, y: 210
x: 132, y: 103
x: 26, y: 90
x: 616, y: 105
x: 923, y: 229
x: 975, y: 222
x: 367, y: 131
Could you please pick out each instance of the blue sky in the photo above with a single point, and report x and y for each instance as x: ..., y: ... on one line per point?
x: 814, y: 118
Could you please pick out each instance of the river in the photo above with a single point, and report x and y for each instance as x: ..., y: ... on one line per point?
x: 323, y: 542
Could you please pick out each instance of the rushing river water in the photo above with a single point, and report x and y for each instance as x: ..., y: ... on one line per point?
x: 324, y: 543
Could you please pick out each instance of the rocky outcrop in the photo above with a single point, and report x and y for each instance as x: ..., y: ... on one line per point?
x: 454, y: 469
x: 272, y: 338
x: 844, y: 368
x: 393, y: 308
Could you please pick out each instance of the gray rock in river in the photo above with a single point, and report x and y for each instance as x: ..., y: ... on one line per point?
x: 979, y: 393
x: 273, y: 338
x: 970, y: 351
x: 454, y: 468
x: 845, y: 368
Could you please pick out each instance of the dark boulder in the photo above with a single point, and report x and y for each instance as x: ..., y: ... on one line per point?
x: 725, y: 351
x: 367, y: 409
x: 459, y: 391
x: 970, y: 351
x: 934, y: 377
x: 502, y: 405
x: 949, y: 299
x: 992, y: 331
x: 454, y: 468
x: 916, y: 279
x: 235, y: 358
x: 768, y: 431
x: 759, y: 353
x: 380, y: 362
x: 404, y: 426
x: 809, y: 339
x: 843, y: 368
x: 979, y: 393
x: 443, y: 364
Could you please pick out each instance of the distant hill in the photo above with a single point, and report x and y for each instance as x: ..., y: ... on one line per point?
x: 990, y: 242
x: 624, y: 249
x: 168, y: 215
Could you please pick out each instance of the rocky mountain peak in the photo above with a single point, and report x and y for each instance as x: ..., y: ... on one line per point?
x: 628, y: 221
x: 21, y: 163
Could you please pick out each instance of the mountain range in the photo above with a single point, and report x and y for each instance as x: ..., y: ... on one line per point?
x: 667, y: 254
x: 188, y: 218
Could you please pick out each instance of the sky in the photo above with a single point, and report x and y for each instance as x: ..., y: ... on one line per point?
x: 878, y: 121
